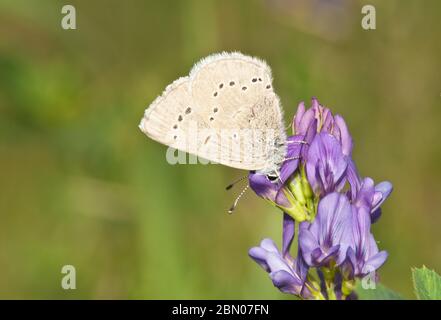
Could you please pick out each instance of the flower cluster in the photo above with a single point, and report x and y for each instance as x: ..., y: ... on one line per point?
x: 320, y: 188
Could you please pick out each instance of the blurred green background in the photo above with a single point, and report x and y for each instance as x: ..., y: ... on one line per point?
x: 81, y: 185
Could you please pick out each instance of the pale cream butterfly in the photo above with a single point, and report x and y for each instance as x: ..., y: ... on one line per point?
x: 226, y: 98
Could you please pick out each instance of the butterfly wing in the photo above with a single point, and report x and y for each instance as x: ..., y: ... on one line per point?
x: 225, y: 111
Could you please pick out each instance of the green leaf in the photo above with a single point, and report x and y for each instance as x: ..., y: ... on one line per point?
x: 427, y: 284
x: 379, y: 293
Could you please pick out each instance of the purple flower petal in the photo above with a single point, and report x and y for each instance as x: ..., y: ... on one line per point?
x: 286, y: 282
x: 317, y: 256
x: 329, y: 235
x: 308, y: 243
x: 375, y: 262
x: 365, y: 195
x: 308, y: 138
x: 259, y: 255
x: 281, y: 199
x: 363, y: 254
x: 295, y: 145
x: 335, y: 222
x: 371, y: 197
x: 276, y: 262
x: 269, y: 245
x: 262, y: 186
x: 288, y: 233
x: 307, y: 120
x: 298, y: 117
x: 326, y: 165
x: 301, y: 267
x: 349, y: 264
x: 353, y: 178
x: 361, y: 229
x: 382, y: 192
x: 345, y: 137
x: 375, y: 215
x: 331, y: 254
x: 283, y: 270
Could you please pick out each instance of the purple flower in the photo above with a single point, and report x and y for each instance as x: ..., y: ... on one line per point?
x: 282, y: 270
x: 329, y: 236
x: 306, y: 125
x: 327, y: 147
x: 292, y: 197
x: 321, y: 119
x: 263, y: 186
x: 269, y: 190
x: 335, y: 225
x: 363, y: 256
x: 287, y: 274
x: 321, y: 143
x: 326, y: 164
x: 364, y: 190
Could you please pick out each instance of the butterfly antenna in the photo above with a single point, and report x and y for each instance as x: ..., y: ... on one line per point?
x: 290, y: 158
x: 232, y: 184
x: 233, y: 207
x: 298, y: 142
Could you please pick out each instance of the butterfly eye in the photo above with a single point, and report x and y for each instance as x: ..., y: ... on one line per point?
x: 268, y: 86
x: 260, y: 79
x: 215, y: 94
x: 180, y: 118
x: 211, y: 118
x: 215, y: 110
x: 231, y: 83
x: 221, y: 86
x: 188, y: 110
x: 244, y: 88
x: 175, y: 126
x: 254, y: 80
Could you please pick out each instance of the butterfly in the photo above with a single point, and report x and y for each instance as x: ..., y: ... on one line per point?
x: 229, y: 100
